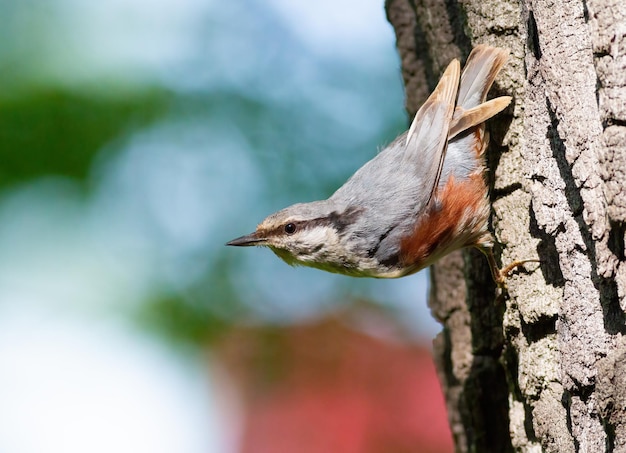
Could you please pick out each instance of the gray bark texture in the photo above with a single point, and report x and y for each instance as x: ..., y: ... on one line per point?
x: 544, y: 369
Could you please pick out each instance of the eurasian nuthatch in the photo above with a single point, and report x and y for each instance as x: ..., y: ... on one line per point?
x: 422, y: 197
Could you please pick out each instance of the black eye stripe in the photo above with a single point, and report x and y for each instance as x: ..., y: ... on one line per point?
x: 339, y: 221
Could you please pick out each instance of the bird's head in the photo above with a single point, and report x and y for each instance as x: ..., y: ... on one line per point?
x: 313, y: 234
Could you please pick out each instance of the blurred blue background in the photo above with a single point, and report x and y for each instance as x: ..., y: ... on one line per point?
x: 136, y: 138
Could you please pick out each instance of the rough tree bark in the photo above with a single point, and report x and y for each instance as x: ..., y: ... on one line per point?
x: 545, y: 370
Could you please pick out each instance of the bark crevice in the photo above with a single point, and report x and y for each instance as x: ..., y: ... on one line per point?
x: 554, y: 353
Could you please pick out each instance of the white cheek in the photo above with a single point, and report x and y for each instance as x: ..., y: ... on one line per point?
x: 319, y: 235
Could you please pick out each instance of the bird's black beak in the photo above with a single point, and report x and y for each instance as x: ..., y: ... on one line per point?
x: 248, y: 240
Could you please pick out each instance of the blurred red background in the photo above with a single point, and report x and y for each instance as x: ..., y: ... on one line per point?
x: 328, y: 387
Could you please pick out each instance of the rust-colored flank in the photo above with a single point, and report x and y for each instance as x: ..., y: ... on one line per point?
x: 455, y: 209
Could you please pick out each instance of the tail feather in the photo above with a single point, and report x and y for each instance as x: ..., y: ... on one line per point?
x: 481, y: 69
x: 464, y: 119
x: 467, y: 138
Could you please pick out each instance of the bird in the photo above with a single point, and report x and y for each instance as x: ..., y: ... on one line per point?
x: 422, y: 197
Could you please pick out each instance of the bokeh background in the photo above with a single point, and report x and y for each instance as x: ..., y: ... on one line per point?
x: 136, y: 138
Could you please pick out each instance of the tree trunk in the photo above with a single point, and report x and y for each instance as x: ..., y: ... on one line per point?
x: 545, y: 368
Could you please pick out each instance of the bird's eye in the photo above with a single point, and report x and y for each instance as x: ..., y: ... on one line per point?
x: 290, y: 228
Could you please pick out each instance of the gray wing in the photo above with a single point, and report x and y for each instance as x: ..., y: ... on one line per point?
x: 428, y: 135
x: 395, y: 186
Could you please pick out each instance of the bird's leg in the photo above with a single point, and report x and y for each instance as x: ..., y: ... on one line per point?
x: 500, y: 275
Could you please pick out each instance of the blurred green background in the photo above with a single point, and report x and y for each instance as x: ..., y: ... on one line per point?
x: 136, y: 138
